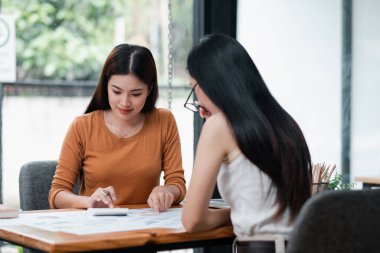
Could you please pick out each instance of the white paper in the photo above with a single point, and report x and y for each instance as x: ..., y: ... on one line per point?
x: 108, y: 211
x: 82, y: 222
x: 218, y: 203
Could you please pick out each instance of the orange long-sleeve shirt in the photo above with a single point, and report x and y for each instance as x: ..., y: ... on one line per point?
x: 132, y: 165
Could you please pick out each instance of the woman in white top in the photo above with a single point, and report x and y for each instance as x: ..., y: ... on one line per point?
x: 249, y: 144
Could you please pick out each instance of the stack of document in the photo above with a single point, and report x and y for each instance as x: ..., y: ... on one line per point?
x: 8, y: 212
x: 218, y: 203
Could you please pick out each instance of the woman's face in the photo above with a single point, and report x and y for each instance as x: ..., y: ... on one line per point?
x: 207, y: 108
x: 126, y: 95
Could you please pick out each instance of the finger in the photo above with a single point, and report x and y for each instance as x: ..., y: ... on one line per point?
x: 97, y: 196
x: 112, y: 193
x: 156, y: 205
x: 163, y: 198
x: 95, y: 203
x: 105, y: 197
x: 150, y: 202
x: 99, y: 204
x: 164, y: 201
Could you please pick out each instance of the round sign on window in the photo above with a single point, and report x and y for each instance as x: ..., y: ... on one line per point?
x: 4, y: 32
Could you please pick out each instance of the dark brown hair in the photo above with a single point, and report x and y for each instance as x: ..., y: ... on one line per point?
x: 126, y: 59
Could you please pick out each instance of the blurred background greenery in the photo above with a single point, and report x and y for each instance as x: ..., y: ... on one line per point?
x: 69, y: 40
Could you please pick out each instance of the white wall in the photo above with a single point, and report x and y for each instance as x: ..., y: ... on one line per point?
x: 365, y: 159
x: 296, y: 45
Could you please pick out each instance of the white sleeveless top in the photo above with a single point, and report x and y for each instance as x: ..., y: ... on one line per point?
x: 247, y: 190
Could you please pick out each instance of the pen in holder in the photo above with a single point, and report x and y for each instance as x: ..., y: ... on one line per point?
x: 321, y: 177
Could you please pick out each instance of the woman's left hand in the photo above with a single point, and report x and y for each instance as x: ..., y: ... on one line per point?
x: 161, y: 198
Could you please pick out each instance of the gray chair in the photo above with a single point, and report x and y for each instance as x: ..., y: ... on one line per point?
x: 338, y: 221
x: 34, y: 184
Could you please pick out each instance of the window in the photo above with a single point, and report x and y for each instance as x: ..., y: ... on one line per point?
x: 61, y: 46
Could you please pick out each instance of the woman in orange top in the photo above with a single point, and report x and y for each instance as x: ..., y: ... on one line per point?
x: 122, y: 142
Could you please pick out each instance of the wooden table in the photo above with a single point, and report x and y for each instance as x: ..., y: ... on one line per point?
x: 153, y: 239
x: 368, y: 181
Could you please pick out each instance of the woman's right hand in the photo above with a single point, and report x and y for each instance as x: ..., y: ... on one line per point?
x: 102, y: 198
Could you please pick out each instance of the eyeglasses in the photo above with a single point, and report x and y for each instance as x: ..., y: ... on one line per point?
x: 192, y: 106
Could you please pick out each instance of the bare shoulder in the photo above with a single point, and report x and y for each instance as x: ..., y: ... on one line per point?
x: 219, y: 130
x: 217, y: 122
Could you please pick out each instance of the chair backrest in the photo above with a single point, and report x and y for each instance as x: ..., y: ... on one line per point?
x: 338, y: 221
x: 34, y: 184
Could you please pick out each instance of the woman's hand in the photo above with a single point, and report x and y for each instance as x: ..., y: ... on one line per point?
x: 102, y: 197
x: 162, y: 197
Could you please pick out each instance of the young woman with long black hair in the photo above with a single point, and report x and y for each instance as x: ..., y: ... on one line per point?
x: 249, y: 144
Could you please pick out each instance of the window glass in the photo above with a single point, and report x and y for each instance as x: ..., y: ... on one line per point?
x: 297, y: 47
x: 299, y: 56
x: 365, y: 144
x: 61, y: 46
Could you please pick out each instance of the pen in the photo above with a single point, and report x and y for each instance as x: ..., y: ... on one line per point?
x: 111, y: 214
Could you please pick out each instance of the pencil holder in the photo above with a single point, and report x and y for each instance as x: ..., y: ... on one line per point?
x: 319, y: 187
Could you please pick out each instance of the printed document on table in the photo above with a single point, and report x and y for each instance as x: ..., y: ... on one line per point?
x: 82, y: 223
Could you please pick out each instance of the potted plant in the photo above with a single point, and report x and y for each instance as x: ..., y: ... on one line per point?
x: 327, y: 178
x: 336, y: 183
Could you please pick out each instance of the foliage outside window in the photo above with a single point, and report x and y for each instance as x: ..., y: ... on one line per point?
x: 69, y: 40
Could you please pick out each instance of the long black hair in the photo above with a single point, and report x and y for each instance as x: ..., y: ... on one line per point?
x: 266, y: 134
x: 126, y: 59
